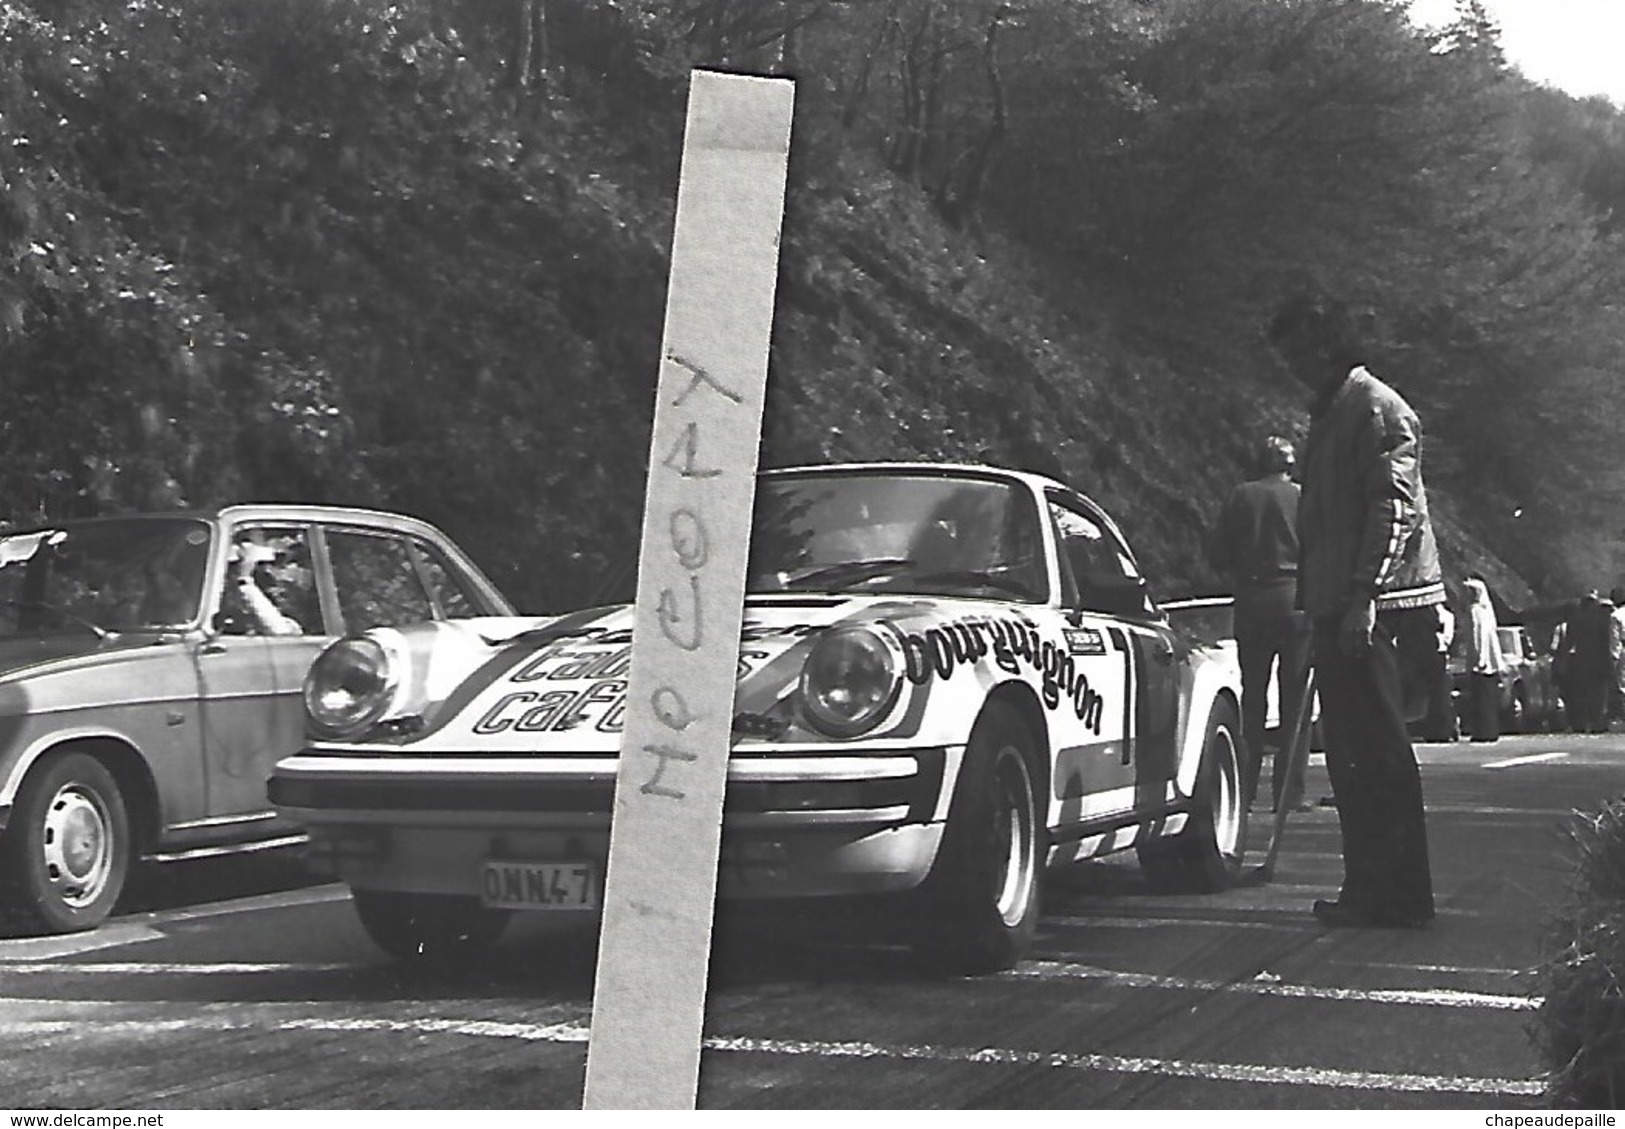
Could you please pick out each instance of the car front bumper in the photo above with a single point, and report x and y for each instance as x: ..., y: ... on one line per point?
x: 793, y: 826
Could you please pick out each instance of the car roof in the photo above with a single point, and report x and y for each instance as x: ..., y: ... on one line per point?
x: 980, y: 470
x: 251, y: 511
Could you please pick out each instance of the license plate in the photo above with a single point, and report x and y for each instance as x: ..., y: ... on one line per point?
x: 539, y: 885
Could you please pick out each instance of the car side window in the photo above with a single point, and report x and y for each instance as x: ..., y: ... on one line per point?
x: 447, y: 587
x: 271, y: 584
x: 376, y: 581
x: 1101, y: 570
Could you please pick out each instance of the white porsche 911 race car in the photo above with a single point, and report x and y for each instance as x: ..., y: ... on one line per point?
x: 950, y: 677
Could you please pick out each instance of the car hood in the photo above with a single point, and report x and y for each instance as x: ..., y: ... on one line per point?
x: 22, y: 655
x: 560, y: 685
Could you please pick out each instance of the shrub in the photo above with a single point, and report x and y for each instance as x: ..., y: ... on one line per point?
x: 1580, y: 1027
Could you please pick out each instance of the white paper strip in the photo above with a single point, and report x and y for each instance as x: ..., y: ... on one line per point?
x: 649, y: 999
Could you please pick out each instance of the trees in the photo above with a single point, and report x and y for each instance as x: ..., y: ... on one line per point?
x: 362, y: 252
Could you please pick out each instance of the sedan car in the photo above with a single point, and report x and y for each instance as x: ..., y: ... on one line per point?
x: 150, y: 674
x: 948, y: 678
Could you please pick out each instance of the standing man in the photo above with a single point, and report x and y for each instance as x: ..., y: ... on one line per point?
x: 1440, y: 723
x: 1485, y: 663
x: 1368, y: 579
x: 1590, y: 671
x: 1255, y: 546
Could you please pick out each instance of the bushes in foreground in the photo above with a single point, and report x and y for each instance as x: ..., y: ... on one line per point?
x: 1581, y: 1023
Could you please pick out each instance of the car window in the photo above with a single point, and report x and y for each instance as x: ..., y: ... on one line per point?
x: 1100, y: 568
x: 271, y: 584
x: 376, y: 581
x: 447, y: 587
x: 1511, y: 643
x: 897, y: 532
x: 99, y: 576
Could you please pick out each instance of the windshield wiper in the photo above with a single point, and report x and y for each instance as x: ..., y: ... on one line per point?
x: 846, y: 573
x: 971, y: 577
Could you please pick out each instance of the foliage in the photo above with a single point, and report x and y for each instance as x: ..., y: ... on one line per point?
x: 1581, y: 1024
x: 412, y: 254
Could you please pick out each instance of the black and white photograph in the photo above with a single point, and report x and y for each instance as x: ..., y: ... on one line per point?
x: 812, y: 555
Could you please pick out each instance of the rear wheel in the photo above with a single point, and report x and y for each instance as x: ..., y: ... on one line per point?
x: 1206, y: 855
x: 427, y: 928
x: 980, y: 903
x: 67, y: 848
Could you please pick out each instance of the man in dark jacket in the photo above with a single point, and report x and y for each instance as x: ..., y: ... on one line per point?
x: 1368, y: 578
x: 1255, y: 545
x: 1589, y: 670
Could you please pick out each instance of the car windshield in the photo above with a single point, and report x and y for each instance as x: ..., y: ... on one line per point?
x: 102, y: 577
x: 897, y: 532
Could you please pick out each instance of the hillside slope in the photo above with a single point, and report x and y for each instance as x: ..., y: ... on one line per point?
x: 265, y: 252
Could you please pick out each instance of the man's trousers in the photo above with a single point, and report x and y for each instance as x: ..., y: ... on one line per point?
x: 1373, y: 768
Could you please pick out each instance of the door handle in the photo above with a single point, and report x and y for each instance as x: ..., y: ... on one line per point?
x: 211, y: 649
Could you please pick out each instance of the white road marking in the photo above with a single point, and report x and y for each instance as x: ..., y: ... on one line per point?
x: 1164, y: 922
x: 576, y: 1032
x: 1451, y: 969
x: 1425, y: 997
x: 1028, y: 970
x: 1487, y: 809
x: 1289, y: 917
x: 1174, y: 1068
x: 1532, y: 758
x: 50, y: 948
x: 162, y: 968
x: 140, y: 928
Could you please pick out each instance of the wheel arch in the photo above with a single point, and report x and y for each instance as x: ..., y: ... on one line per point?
x: 1023, y: 702
x: 130, y: 772
x: 1211, y: 689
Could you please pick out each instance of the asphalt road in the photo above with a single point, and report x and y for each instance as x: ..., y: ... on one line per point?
x: 237, y: 987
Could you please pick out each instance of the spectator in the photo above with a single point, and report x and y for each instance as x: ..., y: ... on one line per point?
x: 1255, y: 546
x: 1439, y: 723
x: 1485, y: 664
x: 1588, y: 673
x: 1368, y: 579
x: 246, y: 558
x: 1562, y: 658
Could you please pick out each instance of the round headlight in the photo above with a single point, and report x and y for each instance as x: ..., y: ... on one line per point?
x: 350, y: 686
x: 850, y: 679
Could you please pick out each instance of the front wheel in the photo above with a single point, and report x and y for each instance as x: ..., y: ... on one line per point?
x: 427, y: 928
x: 980, y: 902
x: 67, y: 849
x: 1206, y: 855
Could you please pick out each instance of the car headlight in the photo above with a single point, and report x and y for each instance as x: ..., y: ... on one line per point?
x: 350, y: 687
x: 850, y: 680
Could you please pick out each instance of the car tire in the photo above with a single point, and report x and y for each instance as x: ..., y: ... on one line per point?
x: 981, y: 901
x: 67, y: 845
x: 429, y: 929
x: 1206, y: 855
